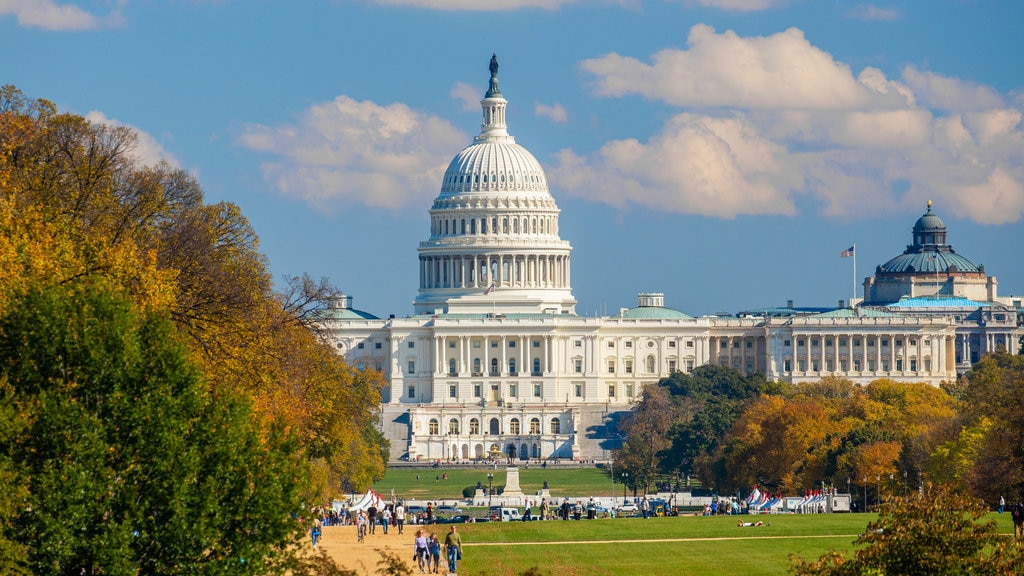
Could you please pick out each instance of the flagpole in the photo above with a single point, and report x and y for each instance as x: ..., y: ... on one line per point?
x: 854, y: 275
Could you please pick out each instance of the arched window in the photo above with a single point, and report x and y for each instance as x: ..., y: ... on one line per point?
x: 512, y: 366
x: 453, y: 426
x: 494, y: 365
x: 534, y: 425
x: 476, y: 365
x: 650, y: 364
x: 513, y: 426
x: 463, y: 227
x: 483, y: 226
x: 536, y: 366
x: 472, y: 226
x: 446, y: 227
x: 494, y: 225
x: 556, y: 426
x: 495, y: 428
x: 474, y: 426
x: 433, y: 426
x: 515, y: 226
x: 451, y: 366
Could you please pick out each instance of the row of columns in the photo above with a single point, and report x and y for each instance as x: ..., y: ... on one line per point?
x: 515, y: 225
x: 511, y: 271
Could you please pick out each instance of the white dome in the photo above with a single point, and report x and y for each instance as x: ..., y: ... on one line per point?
x: 493, y: 166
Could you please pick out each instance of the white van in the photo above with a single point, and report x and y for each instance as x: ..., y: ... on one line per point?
x: 505, y: 514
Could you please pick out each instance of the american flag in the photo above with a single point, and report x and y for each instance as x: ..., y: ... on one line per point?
x: 489, y: 289
x: 846, y: 253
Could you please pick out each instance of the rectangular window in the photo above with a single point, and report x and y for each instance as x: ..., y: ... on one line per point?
x: 856, y: 342
x: 828, y: 343
x: 912, y: 342
x: 829, y: 365
x: 494, y: 344
x: 885, y: 342
x: 885, y: 365
x: 376, y: 345
x: 842, y: 365
x: 913, y: 364
x: 629, y: 366
x: 611, y: 366
x: 871, y: 343
x: 611, y: 390
x: 629, y: 344
x: 899, y: 364
x: 814, y: 341
x: 451, y: 344
x: 672, y: 344
x: 360, y: 346
x: 412, y: 366
x: 899, y: 342
x: 871, y: 365
x: 611, y: 344
x: 378, y: 366
x: 735, y: 344
x: 689, y: 365
x: 476, y: 343
x: 927, y: 342
x: 802, y: 365
x: 629, y: 390
x: 579, y: 390
x: 512, y: 390
x: 786, y: 366
x: 786, y: 343
x: 536, y: 390
x: 927, y: 364
x: 800, y: 343
x: 671, y: 366
x: 412, y: 344
x: 577, y: 343
x: 536, y: 343
x: 814, y: 366
x: 856, y: 365
x: 750, y: 344
x: 723, y: 344
x: 842, y: 341
x: 511, y: 343
x: 453, y: 391
x: 412, y: 391
x: 578, y: 366
x: 689, y: 343
x: 476, y: 390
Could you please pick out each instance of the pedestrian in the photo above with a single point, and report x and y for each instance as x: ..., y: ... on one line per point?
x: 526, y: 513
x: 645, y: 507
x: 360, y: 526
x: 385, y: 519
x: 400, y: 517
x: 1002, y: 504
x: 434, y: 546
x: 421, y: 553
x: 314, y: 531
x: 591, y: 509
x: 1018, y: 520
x: 371, y: 518
x: 543, y: 509
x: 453, y: 545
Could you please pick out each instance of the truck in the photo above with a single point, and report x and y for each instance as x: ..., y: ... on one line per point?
x: 505, y: 514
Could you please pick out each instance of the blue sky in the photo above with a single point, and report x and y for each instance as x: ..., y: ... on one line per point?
x: 720, y: 151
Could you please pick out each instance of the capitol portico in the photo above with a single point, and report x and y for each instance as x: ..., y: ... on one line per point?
x: 495, y: 362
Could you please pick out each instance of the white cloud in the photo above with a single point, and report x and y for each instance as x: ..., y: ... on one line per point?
x: 873, y: 12
x: 802, y: 123
x: 56, y: 16
x: 696, y: 165
x: 779, y: 71
x: 478, y: 5
x: 351, y: 152
x: 468, y: 94
x: 148, y: 149
x: 556, y: 112
x: 947, y: 93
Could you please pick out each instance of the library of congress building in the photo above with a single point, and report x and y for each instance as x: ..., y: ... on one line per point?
x: 495, y: 363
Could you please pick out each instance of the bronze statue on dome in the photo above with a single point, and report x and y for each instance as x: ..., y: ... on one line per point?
x: 494, y: 65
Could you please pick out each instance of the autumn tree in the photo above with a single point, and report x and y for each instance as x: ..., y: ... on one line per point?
x: 937, y: 532
x: 646, y: 437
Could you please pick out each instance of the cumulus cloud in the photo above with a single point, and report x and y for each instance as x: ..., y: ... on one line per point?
x: 148, y: 149
x: 351, y: 152
x: 779, y: 71
x: 873, y: 12
x: 556, y: 112
x: 767, y: 119
x: 57, y: 16
x: 947, y: 93
x: 697, y: 165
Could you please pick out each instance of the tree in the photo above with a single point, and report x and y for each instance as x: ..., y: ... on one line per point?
x: 646, y: 431
x: 935, y: 533
x: 131, y: 462
x: 995, y: 407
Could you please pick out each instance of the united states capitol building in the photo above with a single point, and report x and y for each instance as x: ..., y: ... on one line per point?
x: 495, y: 362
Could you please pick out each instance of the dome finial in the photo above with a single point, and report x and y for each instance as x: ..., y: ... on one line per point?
x: 929, y: 205
x: 492, y: 89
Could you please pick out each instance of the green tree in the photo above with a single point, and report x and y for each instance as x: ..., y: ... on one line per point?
x: 132, y: 463
x: 938, y: 532
x: 646, y: 437
x: 995, y: 393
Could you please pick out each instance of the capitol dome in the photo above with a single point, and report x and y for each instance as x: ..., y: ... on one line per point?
x: 929, y: 253
x: 494, y: 244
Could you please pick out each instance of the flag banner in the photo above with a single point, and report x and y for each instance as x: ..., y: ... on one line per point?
x: 847, y: 253
x: 489, y: 289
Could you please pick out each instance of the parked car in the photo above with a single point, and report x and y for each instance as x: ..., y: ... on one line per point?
x: 627, y: 509
x: 448, y: 510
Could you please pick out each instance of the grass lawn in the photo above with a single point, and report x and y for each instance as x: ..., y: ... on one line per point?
x: 431, y: 484
x: 685, y: 545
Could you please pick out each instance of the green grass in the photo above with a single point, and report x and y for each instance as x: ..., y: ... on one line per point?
x: 431, y: 486
x: 688, y: 545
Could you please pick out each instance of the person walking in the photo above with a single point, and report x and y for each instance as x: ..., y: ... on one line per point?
x: 453, y: 545
x: 1002, y: 504
x: 422, y: 552
x: 400, y: 517
x: 645, y: 508
x: 371, y: 517
x: 314, y: 531
x: 360, y: 526
x: 385, y: 519
x: 434, y: 546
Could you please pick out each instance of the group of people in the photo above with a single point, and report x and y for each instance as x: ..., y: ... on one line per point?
x: 427, y: 551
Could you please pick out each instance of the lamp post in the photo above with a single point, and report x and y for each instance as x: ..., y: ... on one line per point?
x: 625, y: 480
x: 490, y: 488
x: 865, y: 482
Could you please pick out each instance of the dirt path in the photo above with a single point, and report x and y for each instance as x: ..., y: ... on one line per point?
x: 340, y: 544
